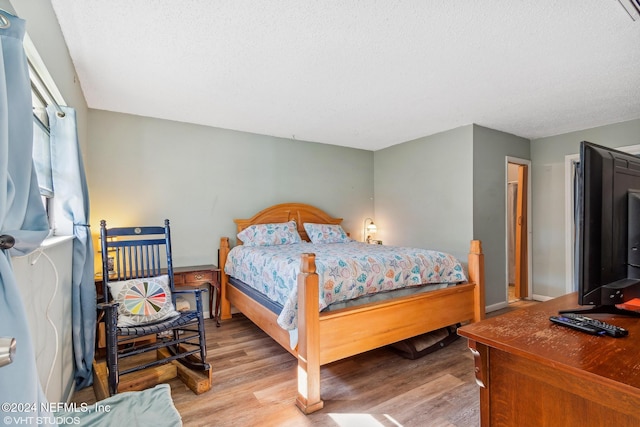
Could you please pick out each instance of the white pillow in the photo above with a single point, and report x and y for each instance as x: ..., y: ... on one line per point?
x: 143, y: 301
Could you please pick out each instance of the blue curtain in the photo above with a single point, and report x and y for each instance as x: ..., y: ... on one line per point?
x: 70, y: 188
x: 22, y: 216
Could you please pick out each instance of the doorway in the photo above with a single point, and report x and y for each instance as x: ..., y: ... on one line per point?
x: 518, y: 283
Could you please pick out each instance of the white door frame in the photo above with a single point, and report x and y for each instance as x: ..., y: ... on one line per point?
x: 527, y: 163
x: 570, y: 162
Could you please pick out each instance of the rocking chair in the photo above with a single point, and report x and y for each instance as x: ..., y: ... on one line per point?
x: 140, y: 300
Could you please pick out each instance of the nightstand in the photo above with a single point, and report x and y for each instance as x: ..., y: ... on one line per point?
x: 201, y: 275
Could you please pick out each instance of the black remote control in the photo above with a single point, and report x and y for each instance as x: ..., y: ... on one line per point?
x: 609, y: 329
x: 577, y: 324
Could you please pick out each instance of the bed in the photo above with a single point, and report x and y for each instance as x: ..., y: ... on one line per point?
x: 327, y: 336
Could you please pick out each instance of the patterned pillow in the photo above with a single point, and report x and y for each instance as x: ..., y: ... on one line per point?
x: 283, y: 233
x: 142, y: 301
x: 326, y: 233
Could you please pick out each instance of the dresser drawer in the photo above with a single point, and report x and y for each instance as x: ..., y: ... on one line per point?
x: 193, y: 278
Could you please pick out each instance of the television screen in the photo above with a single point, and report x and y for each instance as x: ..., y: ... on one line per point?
x: 607, y: 229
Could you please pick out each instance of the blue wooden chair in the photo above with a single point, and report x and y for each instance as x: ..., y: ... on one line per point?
x: 140, y: 300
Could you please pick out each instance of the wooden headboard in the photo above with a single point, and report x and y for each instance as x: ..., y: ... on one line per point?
x: 284, y: 212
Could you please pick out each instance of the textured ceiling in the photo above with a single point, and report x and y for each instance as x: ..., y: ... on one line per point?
x: 365, y: 74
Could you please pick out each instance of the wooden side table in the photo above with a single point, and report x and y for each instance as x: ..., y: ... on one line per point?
x: 197, y: 276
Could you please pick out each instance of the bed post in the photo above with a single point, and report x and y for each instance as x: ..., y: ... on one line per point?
x: 308, y: 399
x: 476, y: 275
x: 225, y: 307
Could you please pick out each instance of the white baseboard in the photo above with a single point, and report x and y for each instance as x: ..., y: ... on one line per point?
x: 504, y: 304
x: 494, y: 307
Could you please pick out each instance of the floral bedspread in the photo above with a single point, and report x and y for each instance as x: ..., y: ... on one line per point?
x: 345, y: 271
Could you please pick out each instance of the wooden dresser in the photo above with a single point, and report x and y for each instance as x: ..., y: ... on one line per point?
x: 535, y: 373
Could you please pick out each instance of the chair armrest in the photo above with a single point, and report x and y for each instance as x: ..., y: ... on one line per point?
x: 112, y: 305
x: 110, y: 310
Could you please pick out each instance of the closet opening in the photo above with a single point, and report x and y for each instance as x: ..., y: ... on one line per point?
x: 517, y: 220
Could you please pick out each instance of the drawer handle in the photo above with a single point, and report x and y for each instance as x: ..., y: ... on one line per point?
x: 199, y: 276
x: 480, y: 358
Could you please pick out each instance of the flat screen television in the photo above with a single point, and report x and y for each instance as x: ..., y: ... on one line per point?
x: 607, y: 230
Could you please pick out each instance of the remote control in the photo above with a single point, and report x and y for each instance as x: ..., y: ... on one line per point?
x: 609, y: 329
x: 577, y: 324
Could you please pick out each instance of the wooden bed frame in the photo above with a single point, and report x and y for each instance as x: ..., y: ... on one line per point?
x: 326, y: 337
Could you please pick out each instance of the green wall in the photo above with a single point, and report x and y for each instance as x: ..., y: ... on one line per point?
x: 444, y: 190
x: 423, y: 192
x: 142, y: 170
x: 549, y: 228
x: 490, y: 151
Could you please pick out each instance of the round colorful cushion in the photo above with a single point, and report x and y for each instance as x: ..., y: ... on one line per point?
x: 143, y: 301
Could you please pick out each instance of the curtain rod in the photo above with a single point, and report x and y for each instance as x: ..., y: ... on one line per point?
x: 46, y: 89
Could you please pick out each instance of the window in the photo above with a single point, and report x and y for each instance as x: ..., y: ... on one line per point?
x: 44, y: 93
x: 42, y: 149
x: 41, y: 145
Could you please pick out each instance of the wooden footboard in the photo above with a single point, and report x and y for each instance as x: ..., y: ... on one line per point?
x: 327, y: 337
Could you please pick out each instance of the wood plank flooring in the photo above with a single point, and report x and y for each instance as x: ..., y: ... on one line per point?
x: 254, y: 384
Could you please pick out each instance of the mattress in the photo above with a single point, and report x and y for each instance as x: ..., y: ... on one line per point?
x: 348, y: 273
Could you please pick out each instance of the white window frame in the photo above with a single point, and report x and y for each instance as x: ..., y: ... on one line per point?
x: 51, y: 94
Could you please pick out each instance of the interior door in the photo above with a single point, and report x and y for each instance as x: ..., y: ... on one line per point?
x: 521, y: 255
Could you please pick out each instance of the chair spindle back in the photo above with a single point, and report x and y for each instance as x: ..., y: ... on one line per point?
x: 135, y: 252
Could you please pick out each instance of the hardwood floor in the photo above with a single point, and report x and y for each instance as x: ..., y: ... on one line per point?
x: 254, y: 383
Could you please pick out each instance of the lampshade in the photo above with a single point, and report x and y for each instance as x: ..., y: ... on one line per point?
x: 369, y: 228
